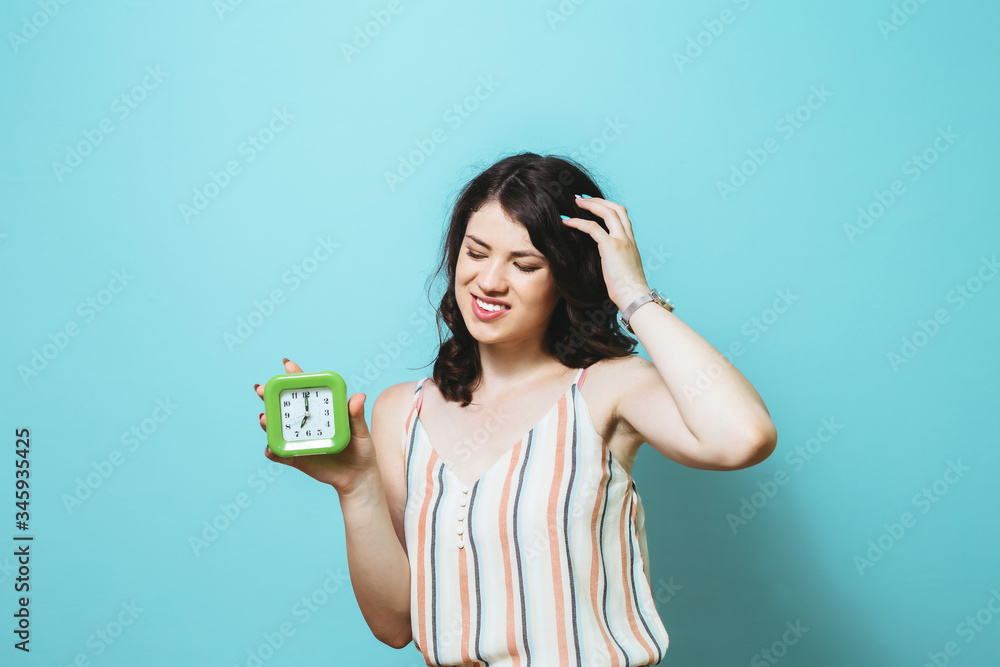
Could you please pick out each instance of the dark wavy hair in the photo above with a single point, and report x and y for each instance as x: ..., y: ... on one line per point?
x: 533, y: 190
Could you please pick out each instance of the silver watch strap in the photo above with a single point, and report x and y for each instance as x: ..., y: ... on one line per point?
x: 627, y: 313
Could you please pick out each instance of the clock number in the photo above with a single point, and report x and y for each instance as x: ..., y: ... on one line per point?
x: 295, y: 394
x: 327, y: 423
x: 326, y: 400
x: 326, y: 412
x: 286, y: 404
x: 288, y: 426
x: 306, y: 394
x: 319, y: 432
x: 296, y: 434
x: 308, y: 433
x: 287, y: 415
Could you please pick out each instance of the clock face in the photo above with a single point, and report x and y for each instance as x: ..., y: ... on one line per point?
x: 306, y: 414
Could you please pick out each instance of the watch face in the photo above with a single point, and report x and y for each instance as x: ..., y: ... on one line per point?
x: 306, y: 414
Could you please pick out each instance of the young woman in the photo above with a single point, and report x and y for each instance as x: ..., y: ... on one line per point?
x: 490, y: 514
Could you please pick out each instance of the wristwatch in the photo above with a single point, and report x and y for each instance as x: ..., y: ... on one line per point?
x: 652, y: 295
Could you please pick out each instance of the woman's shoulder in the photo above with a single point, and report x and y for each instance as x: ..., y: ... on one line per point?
x: 610, y: 379
x: 617, y: 372
x: 398, y: 395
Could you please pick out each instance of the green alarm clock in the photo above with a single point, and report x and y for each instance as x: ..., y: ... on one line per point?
x: 306, y: 413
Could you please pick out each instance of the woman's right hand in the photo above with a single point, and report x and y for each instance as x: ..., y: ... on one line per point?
x: 347, y: 470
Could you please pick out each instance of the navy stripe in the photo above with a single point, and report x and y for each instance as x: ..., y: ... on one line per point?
x: 434, y: 609
x: 517, y: 552
x: 632, y: 575
x: 604, y: 569
x: 475, y: 569
x: 566, y: 539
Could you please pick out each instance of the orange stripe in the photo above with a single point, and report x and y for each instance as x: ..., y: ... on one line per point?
x: 422, y: 539
x: 554, y: 541
x: 596, y: 566
x: 505, y: 549
x: 626, y: 579
x: 463, y: 585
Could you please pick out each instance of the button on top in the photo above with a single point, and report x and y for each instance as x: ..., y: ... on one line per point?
x: 465, y: 489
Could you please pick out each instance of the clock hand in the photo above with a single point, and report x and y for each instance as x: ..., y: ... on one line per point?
x: 306, y: 415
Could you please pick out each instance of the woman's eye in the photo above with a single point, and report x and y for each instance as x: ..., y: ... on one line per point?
x: 523, y: 269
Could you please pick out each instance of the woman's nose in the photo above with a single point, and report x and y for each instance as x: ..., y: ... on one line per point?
x: 491, y: 276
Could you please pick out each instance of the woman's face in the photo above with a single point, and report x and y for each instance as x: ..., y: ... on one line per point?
x: 491, y: 265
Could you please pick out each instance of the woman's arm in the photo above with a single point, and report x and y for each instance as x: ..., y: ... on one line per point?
x: 380, y: 570
x: 691, y: 404
x: 362, y: 474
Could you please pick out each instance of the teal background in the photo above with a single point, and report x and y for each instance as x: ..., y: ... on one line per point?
x: 724, y: 594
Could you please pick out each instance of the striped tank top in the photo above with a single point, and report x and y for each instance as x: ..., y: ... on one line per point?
x: 541, y: 561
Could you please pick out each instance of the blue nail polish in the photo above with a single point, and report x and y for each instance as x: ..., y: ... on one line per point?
x: 564, y: 217
x: 586, y: 196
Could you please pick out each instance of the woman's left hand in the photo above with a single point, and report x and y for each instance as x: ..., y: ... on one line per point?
x: 619, y: 254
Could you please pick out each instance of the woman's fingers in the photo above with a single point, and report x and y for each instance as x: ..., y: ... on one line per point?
x: 290, y: 367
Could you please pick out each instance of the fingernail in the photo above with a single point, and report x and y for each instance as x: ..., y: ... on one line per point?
x: 260, y: 415
x: 577, y: 196
x: 564, y: 217
x: 586, y: 196
x: 255, y: 386
x: 285, y: 360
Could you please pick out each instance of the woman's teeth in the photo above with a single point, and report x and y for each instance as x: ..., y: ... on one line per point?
x: 490, y: 306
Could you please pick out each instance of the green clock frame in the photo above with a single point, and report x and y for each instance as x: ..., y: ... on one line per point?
x: 272, y: 410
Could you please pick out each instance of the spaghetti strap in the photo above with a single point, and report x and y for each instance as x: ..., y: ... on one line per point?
x: 580, y: 376
x: 418, y: 395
